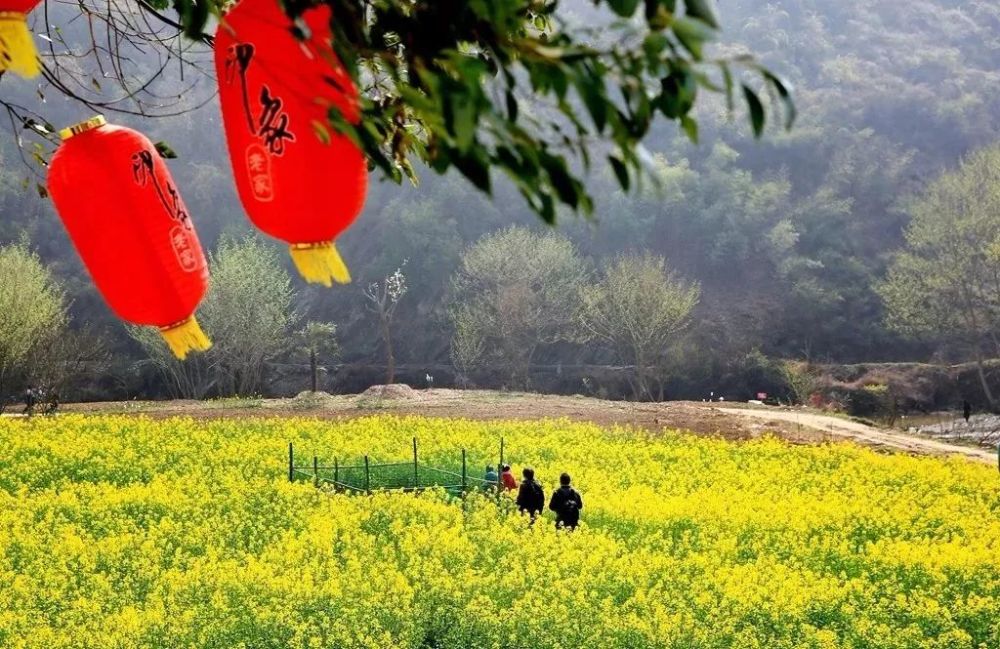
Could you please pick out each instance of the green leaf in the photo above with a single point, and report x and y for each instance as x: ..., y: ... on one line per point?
x: 659, y: 13
x: 511, y: 105
x: 463, y: 125
x: 727, y: 80
x: 624, y: 8
x: 757, y: 117
x: 678, y: 91
x: 476, y: 170
x: 693, y: 34
x: 591, y: 91
x: 321, y: 131
x: 784, y: 90
x: 621, y: 172
x: 690, y: 127
x: 703, y: 10
x: 548, y: 209
x: 194, y: 15
x: 165, y: 150
x: 654, y: 44
x: 565, y: 186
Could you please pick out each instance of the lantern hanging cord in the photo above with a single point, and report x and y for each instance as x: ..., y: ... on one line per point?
x: 320, y: 263
x: 185, y: 337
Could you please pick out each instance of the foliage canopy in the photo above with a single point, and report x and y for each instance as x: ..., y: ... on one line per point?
x: 523, y: 86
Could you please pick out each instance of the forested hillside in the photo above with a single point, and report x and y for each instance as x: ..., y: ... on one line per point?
x: 787, y: 237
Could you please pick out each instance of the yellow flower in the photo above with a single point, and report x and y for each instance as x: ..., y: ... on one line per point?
x: 119, y: 531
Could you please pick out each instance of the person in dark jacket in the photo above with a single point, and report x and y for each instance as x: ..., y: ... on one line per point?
x: 566, y: 503
x: 966, y: 411
x: 531, y: 496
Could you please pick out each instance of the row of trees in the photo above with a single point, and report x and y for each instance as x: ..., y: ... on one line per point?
x: 253, y: 320
x: 249, y: 312
x: 945, y: 284
x: 516, y: 291
x: 788, y: 237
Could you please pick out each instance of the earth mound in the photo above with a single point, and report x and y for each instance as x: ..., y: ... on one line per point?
x: 309, y: 399
x: 398, y: 391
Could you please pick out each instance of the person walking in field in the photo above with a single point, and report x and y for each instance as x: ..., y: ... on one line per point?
x: 507, y: 479
x: 566, y: 503
x: 531, y: 496
x: 491, y: 479
x: 966, y: 411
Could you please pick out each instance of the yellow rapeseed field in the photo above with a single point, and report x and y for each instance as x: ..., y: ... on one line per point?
x: 123, y: 531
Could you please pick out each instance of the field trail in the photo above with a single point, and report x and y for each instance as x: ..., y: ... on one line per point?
x: 731, y: 421
x: 865, y: 434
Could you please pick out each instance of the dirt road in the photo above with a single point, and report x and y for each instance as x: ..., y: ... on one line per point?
x: 730, y: 422
x: 864, y: 434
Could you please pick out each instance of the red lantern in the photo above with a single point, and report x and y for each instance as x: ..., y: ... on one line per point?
x: 298, y: 180
x: 131, y: 228
x: 17, y: 49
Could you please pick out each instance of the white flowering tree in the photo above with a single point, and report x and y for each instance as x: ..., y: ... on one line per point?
x: 383, y: 298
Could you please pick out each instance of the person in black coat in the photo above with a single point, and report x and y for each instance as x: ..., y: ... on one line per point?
x: 566, y: 503
x: 530, y: 496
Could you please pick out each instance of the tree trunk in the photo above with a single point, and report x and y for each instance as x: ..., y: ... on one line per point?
x: 314, y: 369
x: 642, y: 390
x: 390, y: 360
x: 640, y: 380
x: 980, y: 368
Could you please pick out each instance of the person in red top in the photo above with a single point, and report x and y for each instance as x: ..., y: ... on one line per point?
x: 507, y: 479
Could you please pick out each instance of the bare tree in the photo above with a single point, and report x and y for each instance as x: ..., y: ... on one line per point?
x: 383, y: 298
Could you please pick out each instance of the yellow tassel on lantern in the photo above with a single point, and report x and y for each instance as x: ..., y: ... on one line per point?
x: 185, y: 336
x: 320, y: 263
x: 17, y: 49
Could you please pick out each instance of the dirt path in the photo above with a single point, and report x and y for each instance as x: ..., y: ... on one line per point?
x: 730, y: 422
x: 864, y: 434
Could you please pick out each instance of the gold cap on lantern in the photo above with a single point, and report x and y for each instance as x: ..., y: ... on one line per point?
x: 88, y: 125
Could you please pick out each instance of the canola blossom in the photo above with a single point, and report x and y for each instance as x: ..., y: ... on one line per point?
x: 120, y: 532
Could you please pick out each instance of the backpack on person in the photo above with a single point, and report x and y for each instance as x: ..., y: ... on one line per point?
x: 570, y: 508
x: 566, y: 503
x: 537, y: 496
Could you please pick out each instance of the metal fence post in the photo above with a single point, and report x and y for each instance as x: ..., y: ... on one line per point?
x: 336, y: 472
x: 464, y: 481
x: 291, y: 463
x: 499, y: 471
x: 315, y: 471
x: 416, y: 476
x: 368, y: 489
